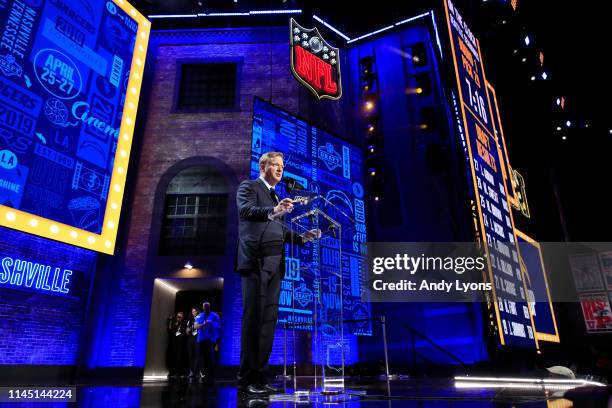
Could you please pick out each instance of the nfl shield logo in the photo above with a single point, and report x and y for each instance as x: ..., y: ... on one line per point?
x: 314, y: 62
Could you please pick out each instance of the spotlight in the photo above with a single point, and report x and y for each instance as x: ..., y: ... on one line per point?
x: 544, y: 75
x: 376, y: 198
x: 367, y: 64
x: 533, y: 78
x: 188, y: 265
x: 558, y: 101
x: 428, y: 118
x: 563, y: 137
x: 371, y: 128
x: 419, y: 54
x: 372, y: 171
x: 558, y: 128
x: 369, y: 105
x: 610, y: 131
x: 568, y: 123
x: 515, y: 51
x: 371, y: 149
x: 527, y: 40
x: 423, y: 83
x: 524, y: 59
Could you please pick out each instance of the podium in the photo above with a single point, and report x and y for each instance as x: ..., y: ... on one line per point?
x: 314, y: 341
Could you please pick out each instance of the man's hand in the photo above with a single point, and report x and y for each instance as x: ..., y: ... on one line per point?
x: 284, y: 206
x: 311, y: 235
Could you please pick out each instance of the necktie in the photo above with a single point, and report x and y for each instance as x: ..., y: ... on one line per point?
x: 273, y: 195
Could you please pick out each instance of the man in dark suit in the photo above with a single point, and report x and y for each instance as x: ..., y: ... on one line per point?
x: 260, y: 261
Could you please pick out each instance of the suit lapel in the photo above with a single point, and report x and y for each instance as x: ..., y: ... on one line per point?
x: 265, y: 191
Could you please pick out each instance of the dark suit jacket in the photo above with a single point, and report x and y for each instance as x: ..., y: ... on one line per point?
x: 257, y: 235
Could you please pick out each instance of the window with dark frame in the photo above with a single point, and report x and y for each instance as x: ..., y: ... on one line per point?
x: 195, y: 213
x: 207, y: 86
x: 194, y: 224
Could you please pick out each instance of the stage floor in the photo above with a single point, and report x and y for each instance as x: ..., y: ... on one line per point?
x: 429, y: 393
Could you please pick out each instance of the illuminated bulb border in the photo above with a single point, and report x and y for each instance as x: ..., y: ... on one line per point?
x: 104, y: 242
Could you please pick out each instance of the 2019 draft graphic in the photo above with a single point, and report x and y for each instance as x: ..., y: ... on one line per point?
x: 64, y: 75
x: 332, y: 168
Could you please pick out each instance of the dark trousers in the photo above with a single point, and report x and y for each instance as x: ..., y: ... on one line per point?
x: 178, y: 364
x: 260, y: 293
x: 206, y: 358
x: 193, y: 354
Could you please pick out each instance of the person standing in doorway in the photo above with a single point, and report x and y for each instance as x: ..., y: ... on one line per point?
x: 208, y: 325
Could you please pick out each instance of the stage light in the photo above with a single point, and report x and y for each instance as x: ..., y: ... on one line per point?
x: 418, y: 52
x: 500, y: 382
x: 370, y: 34
x: 610, y: 131
x: 524, y: 59
x: 369, y: 106
x: 428, y: 118
x: 533, y: 77
x: 558, y: 101
x: 563, y: 137
x: 367, y: 65
x: 423, y: 84
x: 372, y: 171
x: 376, y: 198
x: 544, y: 75
x: 371, y: 149
x: 371, y: 128
x: 559, y: 128
x: 568, y: 123
x: 527, y: 40
x: 515, y: 51
x: 334, y: 29
x: 188, y: 265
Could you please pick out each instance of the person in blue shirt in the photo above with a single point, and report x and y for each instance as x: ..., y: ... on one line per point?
x: 208, y: 324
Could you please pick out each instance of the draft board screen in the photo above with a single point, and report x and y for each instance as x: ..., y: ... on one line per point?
x: 491, y: 196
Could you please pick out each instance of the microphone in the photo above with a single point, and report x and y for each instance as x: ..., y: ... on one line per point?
x: 292, y: 184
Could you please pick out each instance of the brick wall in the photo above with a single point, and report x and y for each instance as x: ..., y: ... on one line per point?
x: 39, y: 328
x: 169, y: 138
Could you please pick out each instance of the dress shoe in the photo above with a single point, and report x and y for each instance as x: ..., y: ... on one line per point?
x: 254, y: 389
x: 257, y: 403
x: 271, y: 389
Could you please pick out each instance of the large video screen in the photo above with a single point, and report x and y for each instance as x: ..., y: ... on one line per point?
x: 544, y: 319
x: 491, y: 195
x: 330, y: 167
x: 70, y: 74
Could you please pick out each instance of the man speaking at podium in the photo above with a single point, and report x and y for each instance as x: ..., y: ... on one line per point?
x: 261, y: 262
